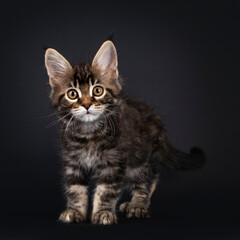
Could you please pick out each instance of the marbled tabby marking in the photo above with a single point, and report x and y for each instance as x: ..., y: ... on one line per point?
x: 125, y: 144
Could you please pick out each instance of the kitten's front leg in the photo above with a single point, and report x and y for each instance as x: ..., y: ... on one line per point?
x: 77, y: 197
x: 77, y: 201
x: 110, y: 174
x: 104, y: 203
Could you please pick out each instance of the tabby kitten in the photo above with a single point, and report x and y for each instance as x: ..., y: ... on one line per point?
x: 108, y: 137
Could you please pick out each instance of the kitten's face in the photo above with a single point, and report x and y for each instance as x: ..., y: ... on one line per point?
x: 85, y: 98
x: 84, y: 92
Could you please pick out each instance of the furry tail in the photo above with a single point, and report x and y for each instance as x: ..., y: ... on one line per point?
x: 178, y: 160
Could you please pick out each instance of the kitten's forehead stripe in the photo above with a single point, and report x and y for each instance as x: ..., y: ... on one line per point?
x: 75, y: 82
x: 92, y: 80
x: 82, y: 73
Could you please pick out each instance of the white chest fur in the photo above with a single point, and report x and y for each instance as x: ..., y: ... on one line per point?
x: 88, y: 158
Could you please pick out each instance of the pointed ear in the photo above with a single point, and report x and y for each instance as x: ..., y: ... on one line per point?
x: 56, y: 66
x: 106, y: 60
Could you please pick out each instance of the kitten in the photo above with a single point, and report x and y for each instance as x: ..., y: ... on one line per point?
x: 108, y: 137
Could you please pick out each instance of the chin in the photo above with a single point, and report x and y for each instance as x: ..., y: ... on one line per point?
x: 89, y: 117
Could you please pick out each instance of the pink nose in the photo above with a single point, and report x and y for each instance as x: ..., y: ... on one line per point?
x: 86, y: 105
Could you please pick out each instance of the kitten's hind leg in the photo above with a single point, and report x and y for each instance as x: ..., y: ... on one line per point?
x: 141, y: 197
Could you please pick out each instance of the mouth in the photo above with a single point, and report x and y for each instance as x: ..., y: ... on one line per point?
x: 88, y: 116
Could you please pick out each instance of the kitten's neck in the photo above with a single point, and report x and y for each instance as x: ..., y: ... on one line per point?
x: 84, y: 129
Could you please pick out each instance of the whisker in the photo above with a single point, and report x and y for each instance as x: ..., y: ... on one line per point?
x: 52, y: 114
x: 57, y: 121
x: 112, y: 112
x: 65, y: 132
x: 105, y: 128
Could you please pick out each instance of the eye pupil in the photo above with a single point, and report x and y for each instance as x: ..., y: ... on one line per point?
x: 98, y: 91
x: 72, y: 94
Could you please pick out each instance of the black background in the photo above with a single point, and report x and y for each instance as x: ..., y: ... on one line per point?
x: 182, y: 58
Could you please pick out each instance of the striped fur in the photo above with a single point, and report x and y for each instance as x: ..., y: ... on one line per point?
x: 115, y: 141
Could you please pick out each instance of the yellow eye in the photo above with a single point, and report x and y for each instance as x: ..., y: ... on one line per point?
x: 72, y: 94
x: 97, y: 91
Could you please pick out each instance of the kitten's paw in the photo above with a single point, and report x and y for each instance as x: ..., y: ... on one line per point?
x: 71, y: 215
x: 104, y: 217
x: 133, y: 210
x: 123, y: 207
x: 138, y: 212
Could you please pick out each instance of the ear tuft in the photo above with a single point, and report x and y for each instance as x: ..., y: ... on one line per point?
x: 110, y: 37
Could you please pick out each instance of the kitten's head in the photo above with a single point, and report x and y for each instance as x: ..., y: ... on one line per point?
x: 84, y: 91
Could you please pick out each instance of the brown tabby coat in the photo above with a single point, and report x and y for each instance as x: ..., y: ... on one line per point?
x: 108, y: 137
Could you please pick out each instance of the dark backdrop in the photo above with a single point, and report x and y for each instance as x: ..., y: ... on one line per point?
x: 181, y: 58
